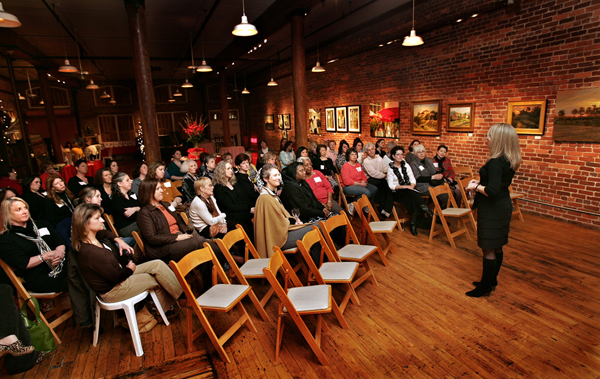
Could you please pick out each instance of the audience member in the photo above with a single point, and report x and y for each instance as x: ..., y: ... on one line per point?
x: 325, y: 165
x: 8, y: 178
x: 268, y: 158
x: 208, y: 168
x: 341, y: 156
x: 297, y: 194
x: 80, y: 180
x: 139, y: 173
x: 174, y: 168
x: 287, y: 155
x: 113, y: 166
x: 125, y: 205
x: 354, y: 179
x: 331, y: 152
x: 49, y: 170
x: 426, y: 174
x: 443, y: 164
x: 410, y: 156
x: 205, y: 215
x: 232, y: 198
x: 103, y: 182
x: 156, y: 170
x: 32, y: 186
x: 320, y: 186
x: 376, y: 172
x: 190, y: 169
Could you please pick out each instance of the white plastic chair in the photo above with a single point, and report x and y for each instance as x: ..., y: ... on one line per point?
x: 128, y: 306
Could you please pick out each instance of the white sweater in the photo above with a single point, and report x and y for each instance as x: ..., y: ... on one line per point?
x: 201, y: 217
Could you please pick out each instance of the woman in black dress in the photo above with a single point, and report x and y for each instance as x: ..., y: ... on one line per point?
x: 232, y: 198
x: 493, y: 201
x: 34, y: 196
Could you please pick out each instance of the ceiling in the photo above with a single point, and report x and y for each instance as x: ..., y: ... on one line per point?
x: 53, y: 29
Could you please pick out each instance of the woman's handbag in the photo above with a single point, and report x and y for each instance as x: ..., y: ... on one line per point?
x: 41, y: 335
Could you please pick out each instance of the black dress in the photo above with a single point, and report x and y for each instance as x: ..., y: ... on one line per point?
x: 37, y: 204
x: 494, y: 210
x: 76, y: 185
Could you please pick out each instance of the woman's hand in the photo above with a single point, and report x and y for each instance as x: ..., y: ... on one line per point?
x: 252, y: 210
x: 123, y: 246
x: 130, y: 211
x: 327, y: 212
x: 131, y: 266
x: 328, y: 206
x: 437, y: 176
x: 183, y: 237
x: 472, y: 184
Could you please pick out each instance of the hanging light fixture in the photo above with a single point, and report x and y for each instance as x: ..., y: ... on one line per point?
x: 229, y: 97
x: 318, y: 67
x: 92, y: 85
x: 171, y: 99
x: 8, y: 20
x: 193, y: 66
x: 21, y: 97
x: 105, y: 95
x: 67, y: 68
x: 29, y: 94
x: 272, y: 83
x: 112, y: 101
x: 244, y: 29
x: 42, y: 102
x: 187, y: 84
x: 203, y: 67
x: 413, y: 39
x: 245, y: 90
x: 177, y: 93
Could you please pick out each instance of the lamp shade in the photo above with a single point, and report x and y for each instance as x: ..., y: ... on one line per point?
x: 412, y: 40
x: 67, y: 68
x: 105, y: 95
x: 8, y: 20
x: 187, y: 84
x: 112, y: 101
x: 272, y: 83
x: 171, y: 100
x: 204, y: 67
x: 177, y: 93
x: 244, y: 29
x: 318, y: 68
x: 245, y: 92
x: 92, y: 85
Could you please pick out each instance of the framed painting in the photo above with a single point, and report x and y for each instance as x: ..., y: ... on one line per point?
x: 460, y: 117
x: 269, y: 122
x: 354, y: 119
x: 384, y: 119
x: 314, y: 121
x: 330, y: 119
x: 287, y: 121
x: 527, y: 117
x: 280, y: 125
x: 577, y: 116
x: 425, y: 118
x: 341, y: 119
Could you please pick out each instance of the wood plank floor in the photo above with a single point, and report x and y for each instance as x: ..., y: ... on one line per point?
x: 541, y: 322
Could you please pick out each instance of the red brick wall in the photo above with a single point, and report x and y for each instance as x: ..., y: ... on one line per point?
x: 503, y: 55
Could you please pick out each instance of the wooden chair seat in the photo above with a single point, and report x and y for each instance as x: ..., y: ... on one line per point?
x: 456, y: 212
x: 516, y: 195
x: 254, y: 268
x: 342, y: 272
x: 451, y: 211
x: 356, y: 252
x: 372, y: 226
x: 383, y: 226
x: 222, y: 296
x: 307, y: 300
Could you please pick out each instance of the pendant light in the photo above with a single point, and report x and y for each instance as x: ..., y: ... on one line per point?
x: 112, y: 101
x: 105, y: 95
x: 21, y: 97
x: 171, y: 99
x: 187, y: 84
x: 67, y: 68
x: 272, y: 83
x: 318, y: 67
x: 244, y: 29
x: 245, y: 90
x: 193, y: 66
x: 8, y: 20
x: 413, y: 39
x: 177, y: 93
x: 92, y: 85
x: 204, y: 67
x: 29, y: 94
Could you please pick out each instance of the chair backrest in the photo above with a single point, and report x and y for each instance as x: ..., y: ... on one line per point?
x: 15, y: 280
x: 177, y: 183
x: 234, y: 236
x: 463, y: 170
x: 438, y: 190
x: 462, y: 184
x: 193, y: 260
x: 110, y: 221
x: 334, y: 222
x: 278, y: 263
x: 363, y: 202
x: 304, y: 245
x: 185, y: 219
x: 138, y: 241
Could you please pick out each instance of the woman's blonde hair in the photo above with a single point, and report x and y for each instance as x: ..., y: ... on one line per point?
x: 201, y: 182
x: 51, y: 194
x: 81, y: 218
x: 504, y: 141
x: 219, y: 177
x: 5, y: 212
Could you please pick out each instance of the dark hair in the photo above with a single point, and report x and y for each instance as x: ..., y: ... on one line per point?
x: 152, y: 167
x: 356, y: 141
x: 395, y: 150
x: 27, y: 182
x: 68, y: 145
x: 207, y: 159
x: 203, y: 157
x: 341, y: 146
x: 147, y: 189
x: 174, y: 151
x: 86, y: 192
x: 444, y: 147
x: 350, y: 150
x: 228, y: 154
x: 6, y: 170
x: 136, y: 170
x: 81, y: 218
x: 287, y: 144
x: 240, y: 158
x: 300, y: 150
x: 98, y: 179
x: 410, y: 147
x: 377, y: 143
x: 78, y: 162
x: 109, y: 162
x: 261, y: 141
x: 117, y: 178
x: 319, y: 147
x: 281, y: 142
x: 292, y: 169
x: 6, y: 189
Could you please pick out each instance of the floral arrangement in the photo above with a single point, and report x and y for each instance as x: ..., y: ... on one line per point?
x: 194, y: 128
x: 194, y: 152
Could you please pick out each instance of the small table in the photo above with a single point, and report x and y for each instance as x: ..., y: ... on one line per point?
x: 68, y: 171
x: 234, y: 150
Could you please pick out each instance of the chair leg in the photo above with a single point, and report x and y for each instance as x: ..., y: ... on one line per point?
x: 189, y: 314
x: 339, y: 315
x: 259, y: 306
x: 159, y: 307
x: 312, y: 341
x: 245, y: 314
x: 280, y: 328
x: 97, y: 326
x: 133, y: 328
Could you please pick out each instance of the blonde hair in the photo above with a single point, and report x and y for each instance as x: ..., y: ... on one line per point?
x: 5, y: 213
x: 201, y: 182
x: 504, y: 142
x: 219, y: 176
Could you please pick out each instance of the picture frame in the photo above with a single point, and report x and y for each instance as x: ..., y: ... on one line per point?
x: 341, y: 119
x: 330, y: 119
x: 314, y: 121
x: 287, y: 121
x: 576, y: 116
x: 460, y: 117
x: 527, y: 117
x: 269, y: 122
x: 384, y: 119
x: 354, y: 119
x: 425, y: 118
x: 280, y: 124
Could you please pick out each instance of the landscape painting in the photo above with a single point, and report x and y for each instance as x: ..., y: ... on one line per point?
x: 460, y: 117
x: 384, y: 119
x: 527, y: 117
x: 269, y: 122
x: 577, y: 116
x: 425, y: 118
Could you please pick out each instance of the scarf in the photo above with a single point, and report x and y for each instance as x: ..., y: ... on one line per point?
x: 210, y: 205
x: 66, y: 200
x: 440, y: 162
x: 403, y: 177
x: 43, y: 247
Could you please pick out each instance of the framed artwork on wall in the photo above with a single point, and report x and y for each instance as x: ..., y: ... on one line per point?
x: 460, y: 117
x: 577, y: 117
x: 425, y: 118
x: 527, y: 117
x: 269, y: 122
x: 314, y: 121
x: 330, y: 119
x: 384, y: 119
x: 287, y: 122
x: 354, y: 119
x: 341, y: 119
x: 280, y: 125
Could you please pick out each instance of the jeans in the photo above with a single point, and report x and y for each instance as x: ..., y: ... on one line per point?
x: 356, y: 190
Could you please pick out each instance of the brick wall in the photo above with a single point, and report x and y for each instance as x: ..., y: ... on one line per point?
x: 505, y: 54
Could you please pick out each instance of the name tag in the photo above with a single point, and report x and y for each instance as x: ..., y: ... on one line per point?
x: 44, y: 232
x: 167, y: 184
x: 171, y: 208
x: 421, y: 168
x: 60, y: 205
x: 359, y: 169
x: 435, y: 164
x: 133, y: 196
x: 317, y: 179
x: 322, y: 167
x: 45, y: 193
x: 83, y: 183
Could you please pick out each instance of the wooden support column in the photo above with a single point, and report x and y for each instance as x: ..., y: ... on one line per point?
x: 225, y: 109
x: 136, y: 15
x: 299, y: 78
x: 50, y: 117
x: 24, y: 131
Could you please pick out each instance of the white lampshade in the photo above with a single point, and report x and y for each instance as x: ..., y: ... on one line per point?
x: 245, y: 92
x: 187, y: 84
x: 177, y: 93
x: 92, y: 85
x: 8, y: 20
x: 67, y: 68
x: 105, y: 95
x: 204, y: 67
x: 412, y: 40
x: 244, y: 29
x: 272, y: 83
x: 318, y: 68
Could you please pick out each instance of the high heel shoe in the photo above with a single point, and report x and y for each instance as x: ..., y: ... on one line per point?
x: 16, y: 349
x: 413, y: 229
x: 480, y: 291
x: 427, y: 210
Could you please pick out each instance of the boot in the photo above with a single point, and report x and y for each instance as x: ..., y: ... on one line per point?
x: 427, y: 210
x: 494, y: 283
x: 484, y: 288
x: 413, y: 223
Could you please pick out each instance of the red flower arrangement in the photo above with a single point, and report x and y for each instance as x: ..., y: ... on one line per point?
x: 194, y: 128
x: 194, y: 152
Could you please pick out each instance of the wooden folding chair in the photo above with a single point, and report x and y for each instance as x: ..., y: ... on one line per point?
x: 450, y: 211
x: 466, y: 203
x: 403, y: 217
x: 463, y: 170
x: 219, y: 298
x: 251, y: 269
x: 23, y: 295
x: 514, y: 196
x: 138, y: 240
x: 185, y: 218
x: 354, y: 252
x: 375, y: 227
x: 110, y: 222
x: 333, y: 272
x: 342, y: 195
x: 177, y: 183
x: 300, y: 301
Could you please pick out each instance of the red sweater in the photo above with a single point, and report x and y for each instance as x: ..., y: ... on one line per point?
x: 351, y: 174
x: 320, y: 186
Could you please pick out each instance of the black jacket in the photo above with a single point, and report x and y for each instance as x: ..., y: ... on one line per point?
x: 299, y: 195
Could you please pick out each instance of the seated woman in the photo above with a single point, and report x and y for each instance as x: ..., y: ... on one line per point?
x: 297, y: 194
x: 208, y: 168
x: 444, y: 167
x: 380, y: 147
x: 232, y: 198
x: 426, y: 174
x: 80, y: 180
x: 263, y: 149
x: 113, y: 166
x: 170, y: 193
x: 174, y: 168
x: 376, y: 172
x: 313, y: 153
x: 32, y: 194
x: 341, y: 157
x: 410, y: 156
x: 227, y: 157
x: 205, y: 214
x: 113, y: 275
x: 8, y: 178
x: 331, y: 151
x: 325, y: 165
x: 189, y: 168
x: 320, y: 186
x: 302, y: 152
x: 139, y: 173
x: 242, y: 161
x: 269, y: 158
x: 282, y: 144
x: 103, y: 182
x: 90, y: 195
x: 33, y: 248
x: 125, y: 205
x: 59, y: 207
x: 402, y: 182
x: 354, y: 179
x: 358, y: 146
x: 274, y: 226
x: 287, y: 155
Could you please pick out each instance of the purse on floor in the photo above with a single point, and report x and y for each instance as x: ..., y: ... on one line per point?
x: 41, y: 336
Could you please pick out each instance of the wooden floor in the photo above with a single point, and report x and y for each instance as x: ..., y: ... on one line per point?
x: 541, y: 322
